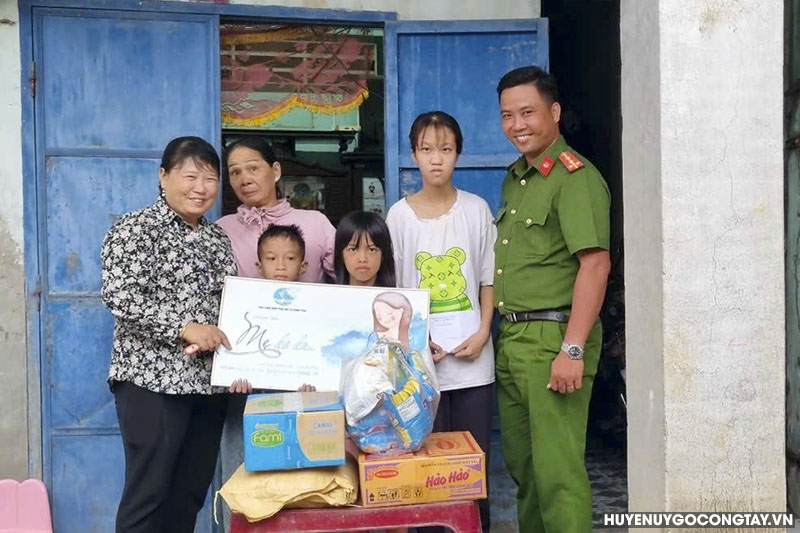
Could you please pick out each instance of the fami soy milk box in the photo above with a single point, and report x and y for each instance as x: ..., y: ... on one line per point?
x: 290, y: 430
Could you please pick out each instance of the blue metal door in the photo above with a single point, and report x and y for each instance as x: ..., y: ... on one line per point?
x: 113, y: 88
x: 454, y: 67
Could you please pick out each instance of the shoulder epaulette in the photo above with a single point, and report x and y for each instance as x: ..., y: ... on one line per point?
x: 570, y: 161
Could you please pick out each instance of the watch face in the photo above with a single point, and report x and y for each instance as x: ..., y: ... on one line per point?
x: 575, y: 352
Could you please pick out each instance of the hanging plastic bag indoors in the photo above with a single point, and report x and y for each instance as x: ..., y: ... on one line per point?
x: 390, y: 396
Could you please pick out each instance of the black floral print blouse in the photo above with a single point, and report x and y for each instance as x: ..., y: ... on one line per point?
x: 158, y: 275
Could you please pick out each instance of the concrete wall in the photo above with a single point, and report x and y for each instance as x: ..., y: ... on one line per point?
x: 20, y: 401
x: 703, y: 171
x: 13, y: 356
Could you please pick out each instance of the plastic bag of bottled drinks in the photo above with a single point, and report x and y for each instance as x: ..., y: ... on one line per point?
x: 390, y: 396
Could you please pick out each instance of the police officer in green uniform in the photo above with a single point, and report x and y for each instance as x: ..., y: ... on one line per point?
x: 552, y: 264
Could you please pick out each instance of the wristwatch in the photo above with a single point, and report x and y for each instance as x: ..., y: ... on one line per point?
x: 573, y: 351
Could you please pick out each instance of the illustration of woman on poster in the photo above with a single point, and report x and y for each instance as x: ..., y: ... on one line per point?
x: 392, y: 313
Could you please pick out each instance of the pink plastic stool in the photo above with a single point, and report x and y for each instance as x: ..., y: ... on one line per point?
x: 461, y: 517
x: 24, y: 507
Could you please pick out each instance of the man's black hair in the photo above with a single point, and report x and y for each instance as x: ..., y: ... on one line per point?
x: 544, y: 82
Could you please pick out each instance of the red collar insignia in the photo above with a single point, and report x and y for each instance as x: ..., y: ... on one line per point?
x: 546, y: 165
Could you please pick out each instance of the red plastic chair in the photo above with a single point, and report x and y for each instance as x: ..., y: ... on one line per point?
x: 24, y: 507
x: 461, y: 517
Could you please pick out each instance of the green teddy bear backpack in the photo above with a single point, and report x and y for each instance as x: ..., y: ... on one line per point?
x: 441, y: 274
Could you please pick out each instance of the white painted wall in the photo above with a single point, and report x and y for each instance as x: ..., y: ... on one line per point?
x: 642, y: 199
x: 703, y: 154
x: 20, y: 402
x: 13, y: 357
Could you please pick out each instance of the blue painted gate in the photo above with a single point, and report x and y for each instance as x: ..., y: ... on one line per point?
x: 454, y: 67
x: 114, y: 88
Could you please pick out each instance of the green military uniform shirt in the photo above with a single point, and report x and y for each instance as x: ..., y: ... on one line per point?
x: 550, y: 210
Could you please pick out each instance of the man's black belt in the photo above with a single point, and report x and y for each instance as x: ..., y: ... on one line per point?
x: 527, y: 316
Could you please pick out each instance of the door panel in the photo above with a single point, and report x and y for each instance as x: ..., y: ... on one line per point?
x: 85, y: 482
x: 113, y: 83
x: 87, y: 195
x: 432, y: 73
x: 454, y: 67
x: 79, y: 396
x: 114, y: 87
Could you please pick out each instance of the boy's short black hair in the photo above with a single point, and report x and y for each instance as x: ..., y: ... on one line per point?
x: 544, y: 82
x: 290, y: 231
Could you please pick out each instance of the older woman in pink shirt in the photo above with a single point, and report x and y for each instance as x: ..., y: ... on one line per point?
x: 253, y: 172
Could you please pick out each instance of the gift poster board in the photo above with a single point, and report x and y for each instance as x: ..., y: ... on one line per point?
x: 284, y: 334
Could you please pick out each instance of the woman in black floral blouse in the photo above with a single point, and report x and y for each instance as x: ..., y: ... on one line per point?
x: 163, y: 270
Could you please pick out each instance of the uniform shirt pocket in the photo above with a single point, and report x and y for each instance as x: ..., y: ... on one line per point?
x: 530, y: 233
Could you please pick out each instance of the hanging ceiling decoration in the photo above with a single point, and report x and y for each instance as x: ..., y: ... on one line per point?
x: 269, y: 70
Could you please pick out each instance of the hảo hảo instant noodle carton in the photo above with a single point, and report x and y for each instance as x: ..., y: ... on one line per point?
x: 449, y: 466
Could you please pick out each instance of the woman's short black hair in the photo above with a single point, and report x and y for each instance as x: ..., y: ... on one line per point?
x: 544, y: 82
x: 357, y: 224
x: 183, y: 148
x: 259, y: 144
x: 437, y: 120
x: 288, y: 231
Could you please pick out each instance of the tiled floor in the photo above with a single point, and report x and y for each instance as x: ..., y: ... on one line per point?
x: 607, y: 472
